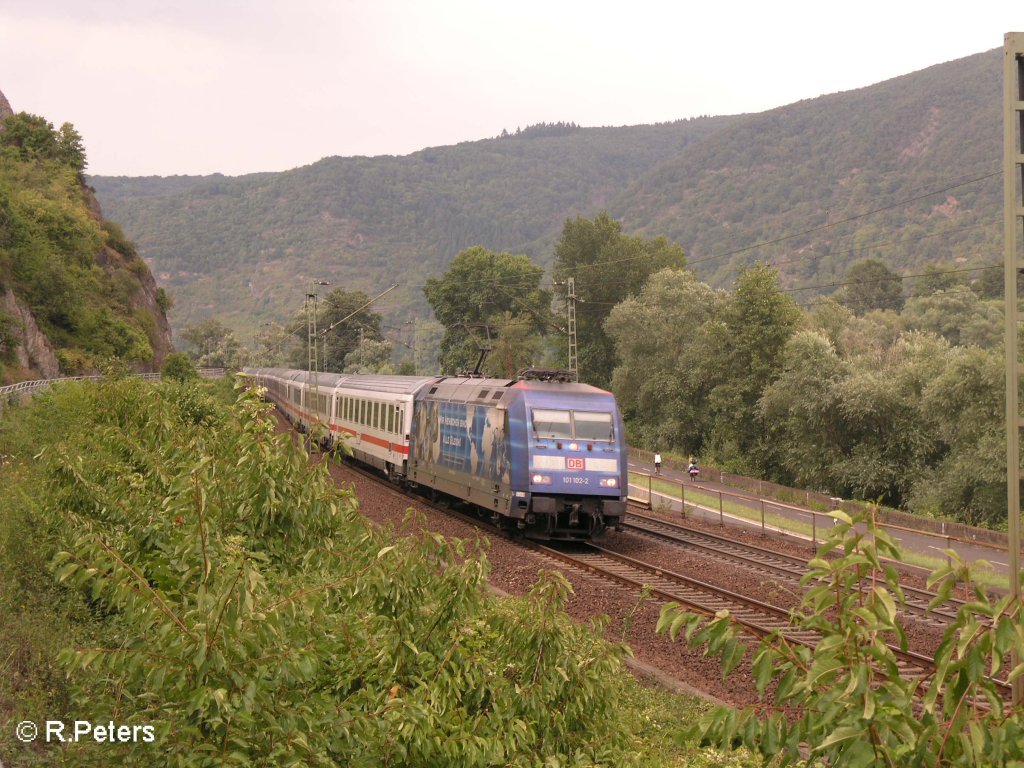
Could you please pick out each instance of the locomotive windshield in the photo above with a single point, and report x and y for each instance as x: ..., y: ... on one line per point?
x: 574, y: 425
x: 593, y: 426
x: 552, y: 424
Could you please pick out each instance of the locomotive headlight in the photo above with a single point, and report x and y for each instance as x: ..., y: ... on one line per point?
x: 541, y: 479
x: 609, y: 482
x: 574, y: 446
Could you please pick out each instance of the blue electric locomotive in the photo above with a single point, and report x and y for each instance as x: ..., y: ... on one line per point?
x: 546, y: 456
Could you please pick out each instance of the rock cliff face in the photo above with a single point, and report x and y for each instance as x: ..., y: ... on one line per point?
x: 32, y: 350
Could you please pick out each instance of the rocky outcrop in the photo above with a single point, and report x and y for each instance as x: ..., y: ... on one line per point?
x: 5, y: 108
x: 32, y: 349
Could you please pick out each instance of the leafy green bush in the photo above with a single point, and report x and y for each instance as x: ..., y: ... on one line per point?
x: 164, y: 300
x: 116, y: 239
x: 179, y: 366
x: 254, y: 617
x: 846, y: 699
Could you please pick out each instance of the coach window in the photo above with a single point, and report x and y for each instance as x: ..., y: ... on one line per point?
x: 376, y: 415
x: 362, y: 412
x: 391, y: 420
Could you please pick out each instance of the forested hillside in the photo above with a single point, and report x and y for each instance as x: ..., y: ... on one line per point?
x: 239, y: 247
x: 829, y: 179
x: 906, y: 171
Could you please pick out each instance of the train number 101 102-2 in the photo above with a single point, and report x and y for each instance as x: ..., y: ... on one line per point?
x: 578, y: 480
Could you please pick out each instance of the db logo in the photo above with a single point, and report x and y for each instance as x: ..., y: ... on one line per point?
x: 574, y: 463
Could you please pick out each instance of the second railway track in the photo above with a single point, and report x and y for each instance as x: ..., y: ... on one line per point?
x: 772, y: 562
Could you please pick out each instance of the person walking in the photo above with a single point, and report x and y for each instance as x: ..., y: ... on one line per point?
x: 657, y: 463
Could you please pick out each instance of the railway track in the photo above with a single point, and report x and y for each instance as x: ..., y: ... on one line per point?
x: 757, y: 618
x: 773, y: 563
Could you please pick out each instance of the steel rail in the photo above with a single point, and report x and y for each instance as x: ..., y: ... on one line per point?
x: 775, y: 563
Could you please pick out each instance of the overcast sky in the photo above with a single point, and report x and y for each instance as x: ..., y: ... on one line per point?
x: 204, y: 86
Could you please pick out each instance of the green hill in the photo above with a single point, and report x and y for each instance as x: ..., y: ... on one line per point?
x: 74, y: 294
x: 827, y: 179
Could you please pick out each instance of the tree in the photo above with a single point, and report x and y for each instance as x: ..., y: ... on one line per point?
x: 890, y: 441
x: 830, y: 317
x: 937, y: 278
x: 344, y: 335
x: 990, y: 284
x: 178, y: 366
x: 370, y: 356
x: 946, y: 313
x: 871, y: 285
x: 759, y: 320
x: 70, y: 147
x: 607, y: 267
x: 31, y: 134
x: 472, y: 297
x: 213, y: 344
x: 516, y: 347
x: 667, y: 340
x: 35, y: 139
x: 965, y: 404
x: 805, y: 426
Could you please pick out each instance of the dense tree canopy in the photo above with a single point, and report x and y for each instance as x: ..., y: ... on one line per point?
x: 759, y: 319
x: 667, y: 338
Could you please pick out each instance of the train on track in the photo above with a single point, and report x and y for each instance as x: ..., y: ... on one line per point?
x: 540, y: 454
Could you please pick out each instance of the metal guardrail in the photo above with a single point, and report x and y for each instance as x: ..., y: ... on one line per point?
x: 13, y: 393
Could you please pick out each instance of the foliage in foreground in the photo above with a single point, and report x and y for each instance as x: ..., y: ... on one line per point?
x: 254, y: 618
x: 854, y: 706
